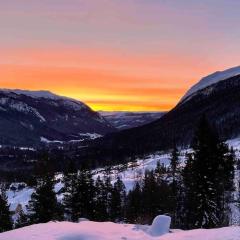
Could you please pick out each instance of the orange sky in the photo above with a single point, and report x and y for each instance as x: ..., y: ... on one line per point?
x: 105, y: 81
x: 137, y: 55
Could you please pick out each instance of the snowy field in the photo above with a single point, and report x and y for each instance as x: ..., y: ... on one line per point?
x: 129, y: 176
x: 111, y: 231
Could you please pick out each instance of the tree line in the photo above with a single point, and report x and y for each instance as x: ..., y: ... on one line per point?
x: 196, y: 194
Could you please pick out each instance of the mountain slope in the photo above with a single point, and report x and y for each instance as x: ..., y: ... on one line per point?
x: 125, y: 120
x: 27, y: 117
x: 211, y: 79
x: 220, y: 102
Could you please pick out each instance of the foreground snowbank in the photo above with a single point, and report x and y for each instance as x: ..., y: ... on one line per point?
x: 111, y: 231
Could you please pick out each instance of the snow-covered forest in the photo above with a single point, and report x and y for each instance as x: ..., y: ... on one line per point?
x: 196, y: 188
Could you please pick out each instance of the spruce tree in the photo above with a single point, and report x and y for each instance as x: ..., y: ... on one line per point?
x: 118, y: 201
x: 207, y: 177
x: 134, y: 205
x: 5, y: 216
x: 43, y: 206
x: 70, y: 199
x: 100, y: 208
x: 175, y: 195
x: 85, y: 191
x: 79, y: 195
x: 151, y: 196
x: 108, y: 195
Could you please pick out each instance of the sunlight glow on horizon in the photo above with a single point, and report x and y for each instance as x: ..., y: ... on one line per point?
x: 113, y: 55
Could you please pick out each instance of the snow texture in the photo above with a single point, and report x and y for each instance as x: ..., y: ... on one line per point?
x: 87, y: 230
x: 160, y: 226
x: 211, y: 79
x: 132, y: 173
x: 33, y: 94
x: 68, y: 102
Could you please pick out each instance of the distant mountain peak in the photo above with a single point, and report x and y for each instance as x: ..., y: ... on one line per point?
x: 35, y: 93
x: 211, y: 79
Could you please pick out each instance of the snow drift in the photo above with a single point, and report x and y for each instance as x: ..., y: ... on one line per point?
x: 110, y: 231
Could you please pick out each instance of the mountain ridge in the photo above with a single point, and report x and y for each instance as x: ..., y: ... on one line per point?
x: 26, y: 117
x: 211, y: 79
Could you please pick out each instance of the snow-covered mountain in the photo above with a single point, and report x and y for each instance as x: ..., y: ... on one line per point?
x: 217, y: 97
x: 31, y: 117
x: 211, y: 79
x: 124, y: 120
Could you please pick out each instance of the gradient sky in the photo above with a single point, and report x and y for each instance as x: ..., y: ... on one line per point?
x: 116, y: 54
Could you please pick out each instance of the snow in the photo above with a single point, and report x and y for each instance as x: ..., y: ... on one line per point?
x: 45, y: 140
x: 84, y: 136
x: 33, y: 94
x: 211, y: 79
x: 87, y: 230
x: 131, y: 173
x: 21, y: 107
x: 135, y: 171
x: 90, y: 135
x: 68, y: 102
x: 160, y: 226
x: 19, y: 197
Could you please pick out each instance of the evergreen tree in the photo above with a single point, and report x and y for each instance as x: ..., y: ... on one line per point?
x: 152, y: 196
x: 207, y: 177
x: 79, y: 195
x: 174, y: 164
x: 134, y: 205
x: 70, y: 200
x: 175, y: 198
x: 107, y: 193
x: 118, y: 200
x: 5, y: 216
x: 100, y: 208
x: 85, y: 191
x: 43, y: 206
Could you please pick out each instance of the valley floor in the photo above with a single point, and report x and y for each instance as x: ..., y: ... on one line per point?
x: 110, y: 231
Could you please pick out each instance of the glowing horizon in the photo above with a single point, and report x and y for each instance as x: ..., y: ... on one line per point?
x: 133, y: 55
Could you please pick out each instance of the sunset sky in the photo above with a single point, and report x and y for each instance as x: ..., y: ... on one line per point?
x: 116, y: 54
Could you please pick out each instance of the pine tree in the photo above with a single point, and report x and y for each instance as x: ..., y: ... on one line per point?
x: 108, y: 195
x: 151, y: 196
x: 134, y: 205
x: 79, y: 195
x: 70, y: 199
x: 5, y: 216
x: 85, y: 193
x: 100, y: 208
x: 174, y: 163
x: 118, y: 200
x: 175, y: 198
x: 207, y: 178
x: 43, y: 206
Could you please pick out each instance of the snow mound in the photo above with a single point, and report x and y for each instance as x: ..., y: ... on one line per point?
x: 160, y: 226
x: 211, y: 79
x: 110, y: 231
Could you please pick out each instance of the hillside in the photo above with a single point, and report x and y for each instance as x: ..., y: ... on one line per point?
x: 29, y: 118
x: 220, y: 102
